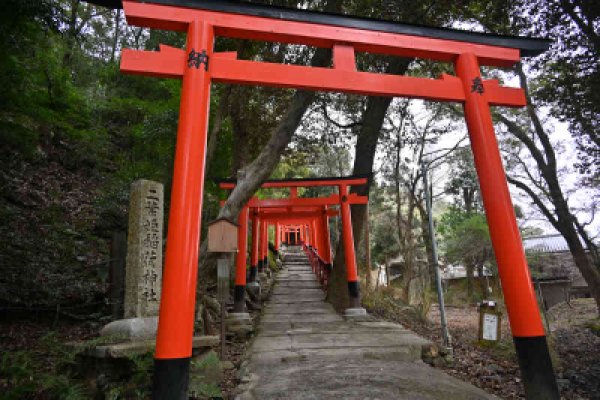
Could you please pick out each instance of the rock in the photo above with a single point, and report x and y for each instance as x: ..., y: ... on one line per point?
x: 213, y: 304
x: 495, y: 369
x: 243, y: 371
x: 132, y: 328
x: 137, y: 347
x: 240, y: 331
x: 449, y: 359
x: 253, y: 289
x: 227, y: 365
x: 563, y: 383
x: 430, y: 350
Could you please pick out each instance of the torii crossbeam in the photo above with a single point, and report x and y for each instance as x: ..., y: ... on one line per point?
x: 199, y: 66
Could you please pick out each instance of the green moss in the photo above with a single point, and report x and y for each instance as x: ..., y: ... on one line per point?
x: 594, y: 326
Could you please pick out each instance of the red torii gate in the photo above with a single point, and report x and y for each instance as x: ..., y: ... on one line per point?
x: 301, y: 210
x: 199, y: 65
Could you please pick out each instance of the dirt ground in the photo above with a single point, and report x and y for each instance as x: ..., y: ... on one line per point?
x: 574, y: 346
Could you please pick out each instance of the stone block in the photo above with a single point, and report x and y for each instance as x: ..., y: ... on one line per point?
x: 137, y: 347
x: 131, y: 328
x: 356, y: 314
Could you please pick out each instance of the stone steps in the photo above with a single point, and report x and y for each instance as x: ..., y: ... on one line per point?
x: 305, y: 350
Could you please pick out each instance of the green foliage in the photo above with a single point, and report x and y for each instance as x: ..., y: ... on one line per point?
x: 29, y: 374
x: 384, y: 236
x: 206, y: 390
x: 202, y: 383
x: 466, y: 237
x: 569, y: 72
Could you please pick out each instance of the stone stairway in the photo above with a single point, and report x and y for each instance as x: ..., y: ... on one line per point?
x: 305, y: 350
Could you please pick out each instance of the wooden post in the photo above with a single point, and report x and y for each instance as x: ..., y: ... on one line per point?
x: 223, y: 292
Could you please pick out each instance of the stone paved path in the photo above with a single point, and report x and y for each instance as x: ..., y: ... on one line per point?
x: 305, y: 350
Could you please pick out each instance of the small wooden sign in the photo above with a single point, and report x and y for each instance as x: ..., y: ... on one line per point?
x: 222, y: 236
x: 490, y: 319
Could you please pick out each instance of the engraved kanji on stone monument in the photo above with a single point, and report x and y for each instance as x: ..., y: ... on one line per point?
x: 144, y: 250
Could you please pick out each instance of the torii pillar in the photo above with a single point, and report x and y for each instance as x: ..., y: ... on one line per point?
x: 255, y: 246
x: 239, y: 291
x: 277, y: 236
x: 350, y: 256
x: 325, y: 239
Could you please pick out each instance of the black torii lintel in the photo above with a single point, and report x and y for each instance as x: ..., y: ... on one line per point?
x: 529, y: 46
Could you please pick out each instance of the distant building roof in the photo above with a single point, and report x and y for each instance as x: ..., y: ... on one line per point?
x: 546, y: 244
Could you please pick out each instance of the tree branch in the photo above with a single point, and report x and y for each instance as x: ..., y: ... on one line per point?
x: 536, y: 199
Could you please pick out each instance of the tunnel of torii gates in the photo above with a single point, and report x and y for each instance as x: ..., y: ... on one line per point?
x: 298, y: 221
x: 199, y: 65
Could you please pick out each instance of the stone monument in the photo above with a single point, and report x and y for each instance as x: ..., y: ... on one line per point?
x: 143, y: 272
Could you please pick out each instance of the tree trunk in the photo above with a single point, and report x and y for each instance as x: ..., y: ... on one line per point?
x: 428, y: 245
x: 366, y: 145
x: 367, y: 248
x: 251, y: 177
x: 589, y: 271
x: 115, y: 43
x: 213, y: 134
x: 241, y: 149
x: 470, y: 268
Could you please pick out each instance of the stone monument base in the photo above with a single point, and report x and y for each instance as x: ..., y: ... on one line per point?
x: 132, y: 328
x: 356, y: 314
x: 239, y: 324
x: 254, y: 287
x: 138, y: 347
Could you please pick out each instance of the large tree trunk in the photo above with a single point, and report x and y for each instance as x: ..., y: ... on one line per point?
x: 432, y: 265
x: 561, y: 217
x: 366, y: 146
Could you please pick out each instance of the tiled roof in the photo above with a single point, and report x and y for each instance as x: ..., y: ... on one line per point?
x: 546, y: 244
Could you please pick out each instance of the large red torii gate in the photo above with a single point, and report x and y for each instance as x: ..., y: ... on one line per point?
x: 198, y: 65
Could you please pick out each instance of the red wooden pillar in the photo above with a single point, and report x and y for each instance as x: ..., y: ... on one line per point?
x: 519, y: 296
x: 306, y: 231
x: 325, y: 238
x: 261, y: 241
x: 176, y: 319
x: 349, y: 254
x: 264, y: 245
x: 240, y: 262
x: 315, y: 235
x: 255, y: 244
x: 302, y: 236
x: 277, y: 236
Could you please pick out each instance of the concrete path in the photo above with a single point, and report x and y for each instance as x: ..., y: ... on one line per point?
x: 305, y: 350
